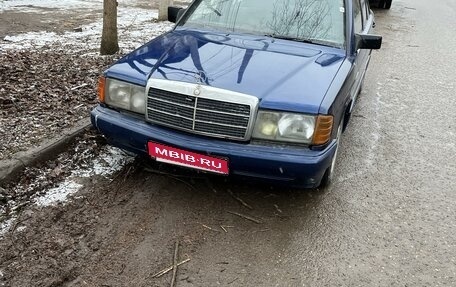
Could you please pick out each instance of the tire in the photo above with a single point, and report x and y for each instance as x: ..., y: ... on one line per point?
x: 329, y: 174
x: 388, y: 4
x: 385, y: 4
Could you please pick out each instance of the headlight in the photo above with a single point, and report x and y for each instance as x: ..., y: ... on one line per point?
x: 125, y: 96
x: 290, y: 127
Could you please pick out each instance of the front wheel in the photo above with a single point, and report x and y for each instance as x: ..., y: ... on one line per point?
x: 384, y: 4
x: 388, y: 4
x: 329, y: 174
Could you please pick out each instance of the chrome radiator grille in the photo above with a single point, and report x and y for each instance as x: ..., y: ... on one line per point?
x: 199, y: 115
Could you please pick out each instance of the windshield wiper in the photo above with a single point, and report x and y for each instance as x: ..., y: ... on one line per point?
x: 302, y: 40
x: 291, y: 38
x: 209, y: 5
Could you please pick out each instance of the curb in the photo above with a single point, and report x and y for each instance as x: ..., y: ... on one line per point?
x: 11, y: 168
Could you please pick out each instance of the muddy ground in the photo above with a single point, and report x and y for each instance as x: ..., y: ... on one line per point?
x: 124, y: 231
x: 18, y: 22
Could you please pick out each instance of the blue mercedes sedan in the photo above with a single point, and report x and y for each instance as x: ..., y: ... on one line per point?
x: 256, y: 88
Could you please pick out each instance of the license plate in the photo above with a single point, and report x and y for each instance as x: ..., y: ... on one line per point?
x: 167, y: 154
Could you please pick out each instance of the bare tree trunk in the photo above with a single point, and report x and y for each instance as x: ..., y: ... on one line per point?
x: 163, y: 9
x: 109, y: 42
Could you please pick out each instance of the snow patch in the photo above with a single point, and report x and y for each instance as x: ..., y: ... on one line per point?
x: 109, y: 161
x: 6, y: 225
x: 136, y: 26
x: 37, y: 6
x: 21, y: 228
x: 58, y: 194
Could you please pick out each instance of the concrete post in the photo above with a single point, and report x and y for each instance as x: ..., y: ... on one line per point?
x: 163, y: 9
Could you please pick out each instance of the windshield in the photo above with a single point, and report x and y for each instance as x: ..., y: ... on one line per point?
x: 318, y: 21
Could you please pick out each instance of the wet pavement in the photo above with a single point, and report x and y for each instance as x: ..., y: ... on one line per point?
x: 388, y: 219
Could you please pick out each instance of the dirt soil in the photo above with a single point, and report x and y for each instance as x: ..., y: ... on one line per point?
x: 114, y: 232
x: 12, y: 22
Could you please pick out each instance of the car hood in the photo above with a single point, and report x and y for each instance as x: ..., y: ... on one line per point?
x: 284, y: 75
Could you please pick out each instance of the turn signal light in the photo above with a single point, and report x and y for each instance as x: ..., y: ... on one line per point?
x: 101, y: 88
x: 323, y: 130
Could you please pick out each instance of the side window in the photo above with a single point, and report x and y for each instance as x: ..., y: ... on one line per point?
x: 357, y: 15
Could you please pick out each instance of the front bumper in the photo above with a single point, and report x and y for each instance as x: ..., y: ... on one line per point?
x: 296, y: 166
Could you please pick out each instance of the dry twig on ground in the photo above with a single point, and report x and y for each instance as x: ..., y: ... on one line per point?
x: 246, y: 217
x: 240, y: 200
x: 224, y: 227
x: 175, y: 258
x: 166, y: 270
x: 210, y: 228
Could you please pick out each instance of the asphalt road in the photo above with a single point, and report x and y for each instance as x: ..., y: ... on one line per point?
x: 389, y: 219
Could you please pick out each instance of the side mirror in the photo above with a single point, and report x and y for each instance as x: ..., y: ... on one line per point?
x: 174, y: 13
x: 368, y: 41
